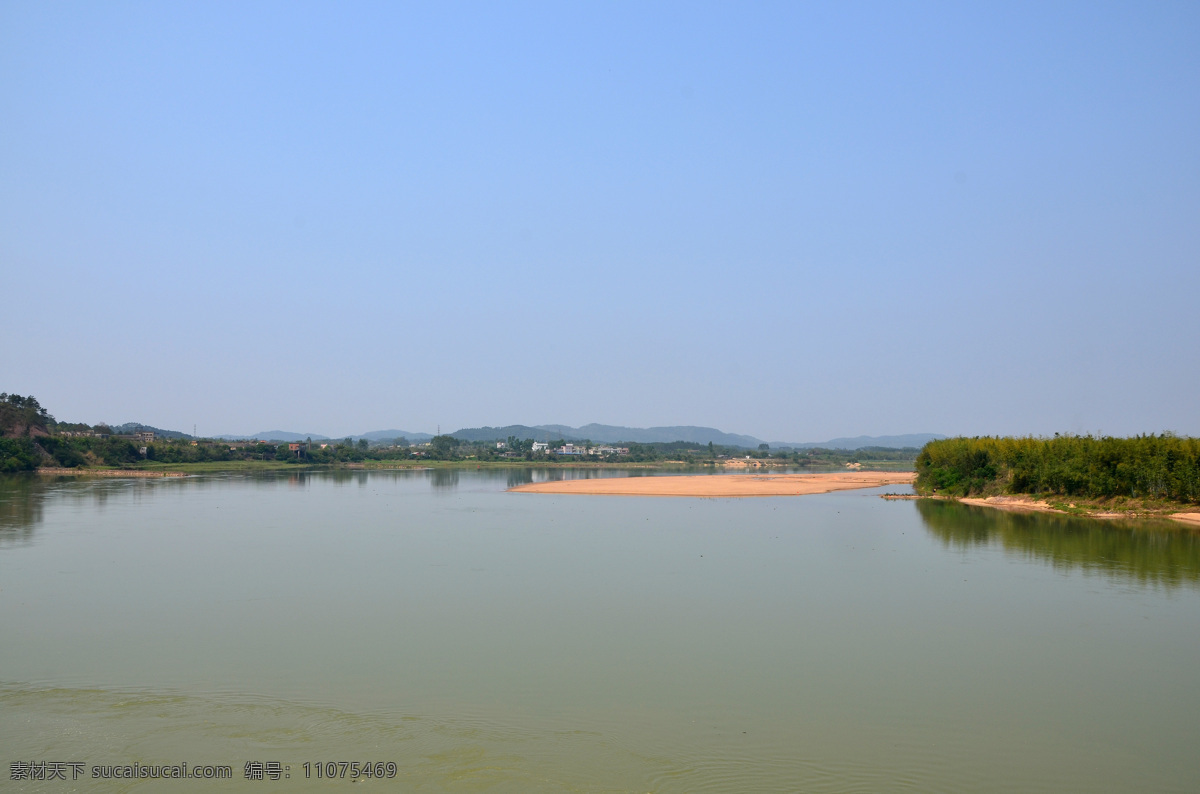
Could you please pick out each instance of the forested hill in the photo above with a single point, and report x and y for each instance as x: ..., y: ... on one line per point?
x: 22, y: 417
x: 136, y: 427
x: 477, y: 434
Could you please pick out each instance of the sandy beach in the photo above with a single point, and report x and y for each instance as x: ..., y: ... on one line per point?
x: 722, y: 485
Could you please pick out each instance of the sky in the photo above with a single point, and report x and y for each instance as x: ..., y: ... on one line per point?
x: 792, y: 220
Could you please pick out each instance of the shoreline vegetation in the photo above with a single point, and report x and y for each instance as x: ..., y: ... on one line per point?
x: 32, y: 439
x: 107, y: 452
x: 155, y: 469
x: 1151, y: 476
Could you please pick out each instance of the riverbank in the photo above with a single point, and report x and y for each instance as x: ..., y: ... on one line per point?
x: 1089, y: 508
x: 84, y: 472
x: 160, y: 469
x: 722, y: 485
x: 157, y: 469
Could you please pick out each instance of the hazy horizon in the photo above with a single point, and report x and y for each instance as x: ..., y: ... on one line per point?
x: 791, y: 222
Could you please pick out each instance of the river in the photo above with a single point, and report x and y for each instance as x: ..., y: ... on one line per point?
x: 489, y: 641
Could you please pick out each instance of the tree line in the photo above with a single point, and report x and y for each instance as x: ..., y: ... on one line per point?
x: 30, y: 437
x: 1147, y: 466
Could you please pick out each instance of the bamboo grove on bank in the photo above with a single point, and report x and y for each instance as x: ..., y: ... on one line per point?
x: 1146, y: 467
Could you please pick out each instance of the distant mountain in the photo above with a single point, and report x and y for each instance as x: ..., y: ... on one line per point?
x: 608, y: 434
x: 388, y: 435
x: 858, y: 442
x: 287, y: 435
x: 280, y: 435
x: 475, y: 434
x: 136, y: 427
x: 611, y: 434
x: 603, y: 434
x: 690, y: 433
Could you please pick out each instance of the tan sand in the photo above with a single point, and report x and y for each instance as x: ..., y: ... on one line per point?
x: 1187, y: 518
x: 723, y: 484
x: 1023, y: 504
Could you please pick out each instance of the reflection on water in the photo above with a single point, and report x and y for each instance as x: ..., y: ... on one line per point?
x: 1145, y: 552
x: 21, y: 502
x: 519, y: 477
x: 444, y: 478
x: 22, y: 497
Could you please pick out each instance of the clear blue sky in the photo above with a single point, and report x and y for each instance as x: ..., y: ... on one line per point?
x: 792, y: 220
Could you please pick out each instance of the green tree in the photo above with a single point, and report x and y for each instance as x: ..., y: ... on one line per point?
x: 22, y: 417
x: 443, y: 446
x: 17, y: 454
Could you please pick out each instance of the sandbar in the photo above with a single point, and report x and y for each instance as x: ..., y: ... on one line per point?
x: 722, y: 485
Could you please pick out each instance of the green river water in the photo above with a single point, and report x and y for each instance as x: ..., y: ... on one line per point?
x: 489, y: 641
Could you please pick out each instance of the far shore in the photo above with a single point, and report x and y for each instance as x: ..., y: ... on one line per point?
x: 160, y: 469
x: 722, y: 485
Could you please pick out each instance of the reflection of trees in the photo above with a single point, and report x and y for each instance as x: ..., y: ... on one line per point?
x: 519, y: 477
x: 524, y: 476
x: 1145, y: 552
x: 444, y: 478
x: 21, y: 501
